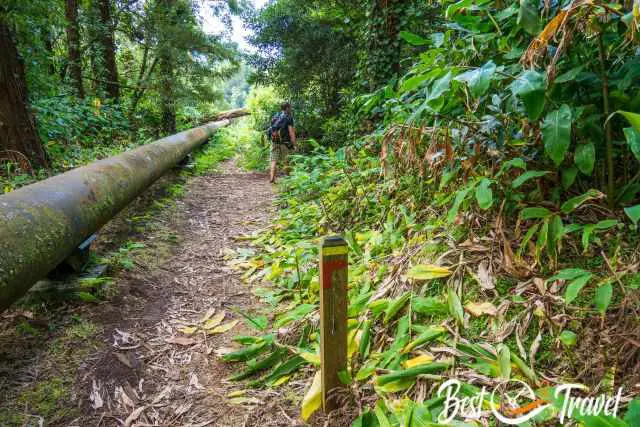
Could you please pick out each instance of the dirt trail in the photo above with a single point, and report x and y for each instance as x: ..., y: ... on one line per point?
x: 132, y: 360
x: 153, y: 373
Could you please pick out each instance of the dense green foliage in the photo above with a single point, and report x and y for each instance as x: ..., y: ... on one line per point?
x: 487, y: 190
x: 168, y: 74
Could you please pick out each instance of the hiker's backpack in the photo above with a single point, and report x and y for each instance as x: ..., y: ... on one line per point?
x: 277, y: 127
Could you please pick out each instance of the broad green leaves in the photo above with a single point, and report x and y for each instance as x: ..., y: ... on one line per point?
x: 633, y: 212
x: 427, y: 272
x: 603, y: 297
x: 568, y: 338
x: 413, y: 39
x: 534, y: 213
x: 556, y: 133
x: 633, y: 139
x: 413, y: 83
x: 585, y: 157
x: 529, y: 16
x: 455, y: 306
x: 478, y: 80
x: 574, y: 202
x: 633, y: 118
x: 526, y: 177
x: 530, y: 87
x: 575, y: 286
x: 484, y: 195
x: 461, y: 195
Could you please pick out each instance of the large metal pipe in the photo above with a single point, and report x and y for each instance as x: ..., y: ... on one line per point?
x: 41, y: 224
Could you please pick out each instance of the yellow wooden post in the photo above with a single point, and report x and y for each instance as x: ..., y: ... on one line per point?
x: 333, y: 316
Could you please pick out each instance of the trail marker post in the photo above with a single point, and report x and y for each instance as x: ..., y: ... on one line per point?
x: 333, y: 316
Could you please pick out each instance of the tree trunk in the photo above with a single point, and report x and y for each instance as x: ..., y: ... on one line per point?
x: 17, y: 124
x: 166, y: 66
x: 73, y: 46
x: 108, y: 49
x: 167, y: 96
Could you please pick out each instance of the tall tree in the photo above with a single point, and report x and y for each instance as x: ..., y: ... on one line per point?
x: 73, y: 46
x: 17, y: 124
x: 167, y: 26
x: 108, y: 50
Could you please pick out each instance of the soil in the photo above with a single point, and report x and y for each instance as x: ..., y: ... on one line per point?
x: 136, y: 359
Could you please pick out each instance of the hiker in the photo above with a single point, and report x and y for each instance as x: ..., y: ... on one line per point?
x: 282, y: 134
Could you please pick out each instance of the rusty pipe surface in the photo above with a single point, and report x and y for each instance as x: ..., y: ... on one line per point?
x: 41, y: 224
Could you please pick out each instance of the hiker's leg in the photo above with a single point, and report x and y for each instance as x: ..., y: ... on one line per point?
x: 272, y: 172
x: 274, y: 162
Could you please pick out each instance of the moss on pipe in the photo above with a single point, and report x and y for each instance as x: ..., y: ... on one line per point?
x: 41, y: 224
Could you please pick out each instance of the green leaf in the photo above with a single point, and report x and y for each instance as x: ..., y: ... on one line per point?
x: 427, y: 272
x: 633, y: 118
x: 526, y: 177
x: 530, y: 87
x: 478, y: 80
x: 509, y: 164
x: 454, y: 8
x: 461, y: 195
x: 586, y: 235
x: 555, y: 233
x: 556, y: 133
x: 367, y: 419
x: 413, y: 83
x: 428, y: 306
x: 574, y: 202
x: 296, y: 314
x: 574, y: 288
x: 568, y: 274
x: 529, y: 16
x: 413, y: 39
x: 603, y: 296
x: 484, y: 195
x: 428, y: 335
x: 421, y: 417
x: 603, y: 421
x: 633, y: 139
x: 504, y: 362
x: 395, y: 307
x: 380, y: 414
x: 633, y: 413
x: 438, y: 89
x: 455, y: 306
x: 412, y: 373
x: 585, y: 157
x: 569, y: 176
x: 568, y: 338
x: 569, y: 75
x: 534, y: 213
x: 633, y: 212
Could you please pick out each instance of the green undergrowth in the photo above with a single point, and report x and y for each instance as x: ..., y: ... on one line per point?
x: 438, y: 289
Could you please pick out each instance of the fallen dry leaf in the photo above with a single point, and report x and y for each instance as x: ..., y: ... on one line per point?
x: 479, y: 308
x: 180, y: 340
x: 208, y: 315
x: 134, y: 416
x: 124, y: 360
x: 224, y: 328
x: 215, y: 321
x: 485, y: 278
x: 95, y: 397
x: 188, y: 330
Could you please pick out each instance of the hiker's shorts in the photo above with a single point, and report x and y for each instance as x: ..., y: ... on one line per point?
x: 279, y: 152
